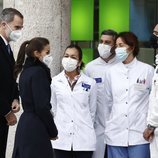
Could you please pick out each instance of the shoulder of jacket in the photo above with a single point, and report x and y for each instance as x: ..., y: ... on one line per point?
x: 36, y: 71
x: 145, y: 65
x: 36, y: 68
x: 113, y: 67
x: 58, y: 76
x: 93, y: 62
x: 87, y: 78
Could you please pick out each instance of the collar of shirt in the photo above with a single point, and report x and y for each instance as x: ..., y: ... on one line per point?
x: 74, y: 80
x: 108, y: 62
x: 5, y: 41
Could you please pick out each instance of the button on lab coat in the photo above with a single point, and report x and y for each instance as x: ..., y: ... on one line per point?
x: 127, y: 94
x: 152, y: 118
x: 74, y: 113
x: 96, y: 69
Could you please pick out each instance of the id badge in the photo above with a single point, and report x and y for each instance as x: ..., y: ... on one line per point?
x: 98, y: 80
x: 86, y: 87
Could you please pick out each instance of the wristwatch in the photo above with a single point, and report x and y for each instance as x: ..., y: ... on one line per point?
x: 151, y: 127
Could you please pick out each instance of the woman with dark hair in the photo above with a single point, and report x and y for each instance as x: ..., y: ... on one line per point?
x: 36, y: 125
x: 128, y: 84
x: 74, y: 105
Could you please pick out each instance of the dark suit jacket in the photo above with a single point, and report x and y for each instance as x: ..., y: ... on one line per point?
x: 8, y: 86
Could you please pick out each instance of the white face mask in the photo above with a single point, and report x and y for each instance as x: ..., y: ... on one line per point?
x: 69, y: 64
x: 48, y: 60
x: 14, y: 35
x: 104, y: 50
x: 121, y: 54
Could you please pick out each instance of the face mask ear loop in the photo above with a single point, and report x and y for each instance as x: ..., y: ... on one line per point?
x: 6, y: 24
x: 2, y: 19
x: 9, y: 27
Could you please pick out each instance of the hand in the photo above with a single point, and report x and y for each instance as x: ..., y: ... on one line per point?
x: 148, y: 134
x: 54, y: 138
x: 11, y: 118
x: 15, y: 106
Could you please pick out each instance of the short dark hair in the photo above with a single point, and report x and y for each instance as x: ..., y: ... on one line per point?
x: 130, y: 39
x: 8, y: 14
x: 110, y: 33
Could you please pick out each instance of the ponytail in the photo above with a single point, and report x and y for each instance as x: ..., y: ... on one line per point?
x: 20, y: 59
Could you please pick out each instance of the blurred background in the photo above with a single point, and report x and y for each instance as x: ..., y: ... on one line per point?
x: 90, y: 17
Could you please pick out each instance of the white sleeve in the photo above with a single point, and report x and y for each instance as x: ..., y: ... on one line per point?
x: 152, y: 118
x: 53, y: 99
x: 93, y: 101
x: 108, y: 98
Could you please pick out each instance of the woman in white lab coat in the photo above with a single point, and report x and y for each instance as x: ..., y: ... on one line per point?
x: 74, y: 105
x: 128, y: 85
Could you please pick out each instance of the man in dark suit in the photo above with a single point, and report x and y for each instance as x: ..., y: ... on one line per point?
x: 11, y: 23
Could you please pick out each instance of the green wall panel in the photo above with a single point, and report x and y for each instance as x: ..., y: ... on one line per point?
x: 114, y: 14
x: 87, y: 55
x: 82, y: 20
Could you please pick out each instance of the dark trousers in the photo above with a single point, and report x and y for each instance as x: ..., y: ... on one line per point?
x: 72, y: 154
x: 106, y: 152
x: 3, y: 136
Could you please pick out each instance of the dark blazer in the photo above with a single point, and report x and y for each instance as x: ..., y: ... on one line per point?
x: 36, y: 125
x: 8, y: 86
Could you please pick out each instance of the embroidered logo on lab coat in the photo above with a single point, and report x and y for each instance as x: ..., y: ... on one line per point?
x: 98, y: 80
x: 86, y: 87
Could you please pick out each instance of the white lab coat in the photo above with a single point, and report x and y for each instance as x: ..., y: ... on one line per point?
x: 152, y: 118
x: 74, y: 113
x: 96, y: 69
x: 127, y: 94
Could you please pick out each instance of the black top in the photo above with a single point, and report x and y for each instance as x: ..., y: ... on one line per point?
x: 8, y: 86
x: 35, y: 92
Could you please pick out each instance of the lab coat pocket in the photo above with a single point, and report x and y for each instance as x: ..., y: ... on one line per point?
x: 115, y: 124
x: 139, y: 123
x: 63, y: 124
x: 83, y: 97
x: 141, y: 89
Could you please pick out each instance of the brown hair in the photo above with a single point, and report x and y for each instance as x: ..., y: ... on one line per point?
x: 130, y: 39
x: 27, y: 49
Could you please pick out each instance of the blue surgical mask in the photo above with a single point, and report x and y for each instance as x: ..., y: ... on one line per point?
x: 121, y: 54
